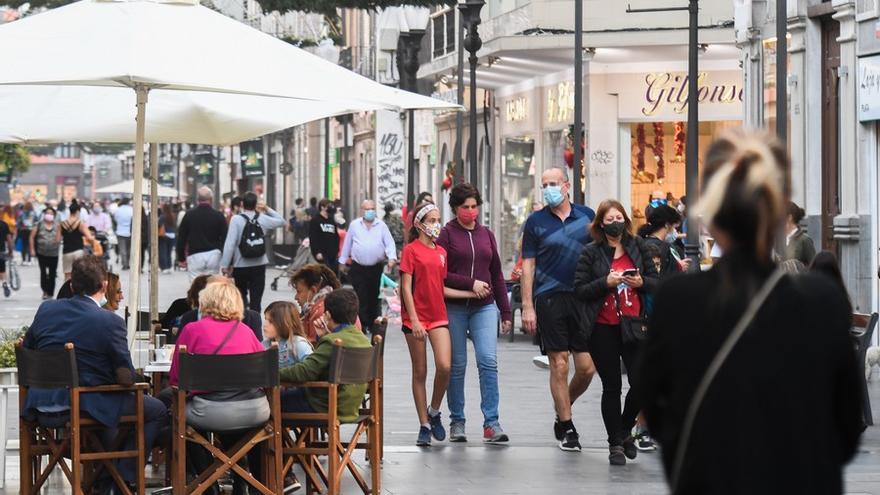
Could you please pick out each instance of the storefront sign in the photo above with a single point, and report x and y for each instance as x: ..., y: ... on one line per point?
x: 166, y: 174
x: 203, y: 162
x: 390, y: 163
x: 869, y: 88
x: 671, y: 89
x: 560, y: 103
x: 517, y: 109
x: 252, y: 157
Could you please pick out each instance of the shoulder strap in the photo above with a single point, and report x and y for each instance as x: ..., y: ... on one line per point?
x: 226, y: 338
x: 694, y: 407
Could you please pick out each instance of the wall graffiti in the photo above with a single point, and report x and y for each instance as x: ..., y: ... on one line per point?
x: 390, y: 160
x: 602, y: 157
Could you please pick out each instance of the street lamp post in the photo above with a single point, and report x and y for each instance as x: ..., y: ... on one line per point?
x: 415, y: 20
x: 470, y: 12
x: 782, y: 70
x: 692, y: 149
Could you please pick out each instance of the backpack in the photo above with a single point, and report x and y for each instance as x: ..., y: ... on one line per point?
x: 253, y: 239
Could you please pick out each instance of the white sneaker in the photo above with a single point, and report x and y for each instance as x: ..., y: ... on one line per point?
x: 542, y: 362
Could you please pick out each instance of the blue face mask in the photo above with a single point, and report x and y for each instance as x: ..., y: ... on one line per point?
x: 671, y: 236
x: 102, y: 302
x: 370, y: 215
x: 553, y: 196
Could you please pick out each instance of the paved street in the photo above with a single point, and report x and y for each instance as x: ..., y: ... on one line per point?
x: 530, y: 464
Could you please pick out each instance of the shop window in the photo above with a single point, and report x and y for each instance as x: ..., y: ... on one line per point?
x: 517, y: 193
x: 769, y: 81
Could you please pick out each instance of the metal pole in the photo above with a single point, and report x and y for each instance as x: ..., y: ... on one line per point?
x: 459, y: 89
x: 410, y: 160
x: 578, y: 98
x: 134, y: 285
x: 154, y: 235
x: 472, y: 123
x: 781, y: 71
x: 692, y: 246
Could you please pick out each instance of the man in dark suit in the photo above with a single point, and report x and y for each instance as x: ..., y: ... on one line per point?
x: 102, y: 357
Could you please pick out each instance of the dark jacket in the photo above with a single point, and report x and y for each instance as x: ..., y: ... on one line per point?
x: 202, y: 229
x: 800, y: 247
x: 591, y: 274
x: 473, y: 255
x: 324, y: 238
x: 251, y: 318
x: 791, y: 381
x: 101, y: 345
x: 668, y: 263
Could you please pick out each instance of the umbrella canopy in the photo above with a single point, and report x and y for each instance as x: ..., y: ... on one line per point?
x: 52, y: 114
x: 178, y: 46
x: 127, y: 187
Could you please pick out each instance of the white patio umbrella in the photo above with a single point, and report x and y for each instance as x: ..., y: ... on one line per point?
x: 146, y: 45
x: 127, y: 187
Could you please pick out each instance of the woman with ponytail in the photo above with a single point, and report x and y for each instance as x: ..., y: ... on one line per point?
x: 312, y: 283
x: 762, y: 358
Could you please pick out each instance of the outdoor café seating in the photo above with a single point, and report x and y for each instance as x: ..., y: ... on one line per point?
x: 227, y: 373
x: 347, y: 366
x: 69, y: 434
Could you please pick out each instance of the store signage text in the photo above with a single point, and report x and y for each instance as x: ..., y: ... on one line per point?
x: 517, y: 109
x: 666, y: 88
x: 560, y: 103
x: 869, y: 88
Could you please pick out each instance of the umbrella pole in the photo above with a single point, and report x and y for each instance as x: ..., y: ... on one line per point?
x: 154, y: 236
x: 134, y: 285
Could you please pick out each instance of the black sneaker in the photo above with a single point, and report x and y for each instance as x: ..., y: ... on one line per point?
x: 616, y: 456
x: 558, y: 430
x: 570, y: 442
x: 6, y: 291
x: 645, y: 443
x: 629, y: 448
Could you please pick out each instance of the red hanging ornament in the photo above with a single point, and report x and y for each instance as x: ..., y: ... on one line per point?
x: 658, y: 150
x: 680, y: 139
x: 640, y: 148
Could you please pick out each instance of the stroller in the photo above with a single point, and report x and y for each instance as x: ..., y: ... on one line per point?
x: 299, y: 257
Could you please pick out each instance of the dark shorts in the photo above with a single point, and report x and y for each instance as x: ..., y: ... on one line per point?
x: 560, y: 317
x: 2, y: 264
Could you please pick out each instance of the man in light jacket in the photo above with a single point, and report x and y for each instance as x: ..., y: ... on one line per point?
x: 249, y: 273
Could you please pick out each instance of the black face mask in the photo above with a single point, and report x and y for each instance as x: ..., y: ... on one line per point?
x: 614, y: 229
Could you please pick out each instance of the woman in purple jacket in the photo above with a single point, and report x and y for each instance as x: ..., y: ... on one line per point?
x: 474, y: 265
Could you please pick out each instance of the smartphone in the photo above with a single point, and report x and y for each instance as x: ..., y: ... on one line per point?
x: 631, y: 273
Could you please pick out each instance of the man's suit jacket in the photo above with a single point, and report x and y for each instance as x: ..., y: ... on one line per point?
x: 100, y: 340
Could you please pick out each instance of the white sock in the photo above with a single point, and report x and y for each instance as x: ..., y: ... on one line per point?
x: 426, y: 425
x: 432, y: 412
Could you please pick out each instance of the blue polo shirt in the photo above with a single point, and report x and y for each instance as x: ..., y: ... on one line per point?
x: 556, y: 246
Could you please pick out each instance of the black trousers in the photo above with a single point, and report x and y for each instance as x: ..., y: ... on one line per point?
x: 48, y: 269
x: 251, y: 282
x: 607, y: 349
x: 366, y: 281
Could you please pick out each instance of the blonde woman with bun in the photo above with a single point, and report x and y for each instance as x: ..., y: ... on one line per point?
x: 742, y: 352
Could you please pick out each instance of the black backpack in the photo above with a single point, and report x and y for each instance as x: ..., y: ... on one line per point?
x: 253, y: 239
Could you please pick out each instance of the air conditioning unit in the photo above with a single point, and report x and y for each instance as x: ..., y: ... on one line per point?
x: 388, y: 39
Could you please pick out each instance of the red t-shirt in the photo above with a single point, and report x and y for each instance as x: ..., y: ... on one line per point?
x: 428, y: 268
x: 630, y: 305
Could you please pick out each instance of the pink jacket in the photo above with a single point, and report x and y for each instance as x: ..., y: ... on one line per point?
x: 205, y: 336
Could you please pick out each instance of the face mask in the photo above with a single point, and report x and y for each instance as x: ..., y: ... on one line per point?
x: 681, y: 207
x: 49, y: 217
x: 370, y: 215
x: 614, y: 229
x: 97, y: 209
x: 432, y: 231
x: 102, y: 302
x: 468, y: 215
x: 671, y: 236
x: 553, y: 196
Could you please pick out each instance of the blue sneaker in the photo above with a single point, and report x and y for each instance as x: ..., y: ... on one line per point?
x: 424, y: 439
x: 437, y: 428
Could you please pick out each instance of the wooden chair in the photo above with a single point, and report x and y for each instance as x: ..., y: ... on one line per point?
x: 348, y: 366
x: 69, y: 434
x: 227, y: 373
x: 863, y: 330
x: 379, y: 329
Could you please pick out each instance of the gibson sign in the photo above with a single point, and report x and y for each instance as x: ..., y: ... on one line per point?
x: 666, y: 88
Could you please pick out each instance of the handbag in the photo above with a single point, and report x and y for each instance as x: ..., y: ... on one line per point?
x: 633, y: 329
x: 706, y: 381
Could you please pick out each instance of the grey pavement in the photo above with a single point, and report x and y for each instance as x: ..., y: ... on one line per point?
x: 530, y: 464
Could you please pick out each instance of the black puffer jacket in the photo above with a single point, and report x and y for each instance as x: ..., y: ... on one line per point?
x: 590, y: 277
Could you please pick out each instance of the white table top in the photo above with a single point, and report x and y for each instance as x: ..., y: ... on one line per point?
x: 157, y: 368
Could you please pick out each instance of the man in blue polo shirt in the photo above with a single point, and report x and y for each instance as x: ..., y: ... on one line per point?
x: 553, y: 239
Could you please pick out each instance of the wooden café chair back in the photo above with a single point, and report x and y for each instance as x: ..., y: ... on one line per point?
x: 221, y: 373
x: 69, y: 434
x: 348, y: 366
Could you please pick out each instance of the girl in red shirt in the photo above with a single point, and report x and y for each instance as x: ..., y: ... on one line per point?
x: 422, y: 271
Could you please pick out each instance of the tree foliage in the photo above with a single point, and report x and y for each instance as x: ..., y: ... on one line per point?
x: 14, y: 158
x: 328, y: 7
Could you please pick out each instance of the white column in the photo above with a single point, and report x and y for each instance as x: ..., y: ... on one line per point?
x: 797, y: 111
x: 753, y: 82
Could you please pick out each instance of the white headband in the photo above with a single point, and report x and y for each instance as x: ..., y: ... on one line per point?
x: 424, y: 211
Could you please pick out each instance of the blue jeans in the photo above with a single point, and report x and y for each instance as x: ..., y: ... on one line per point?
x: 481, y: 323
x: 155, y: 416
